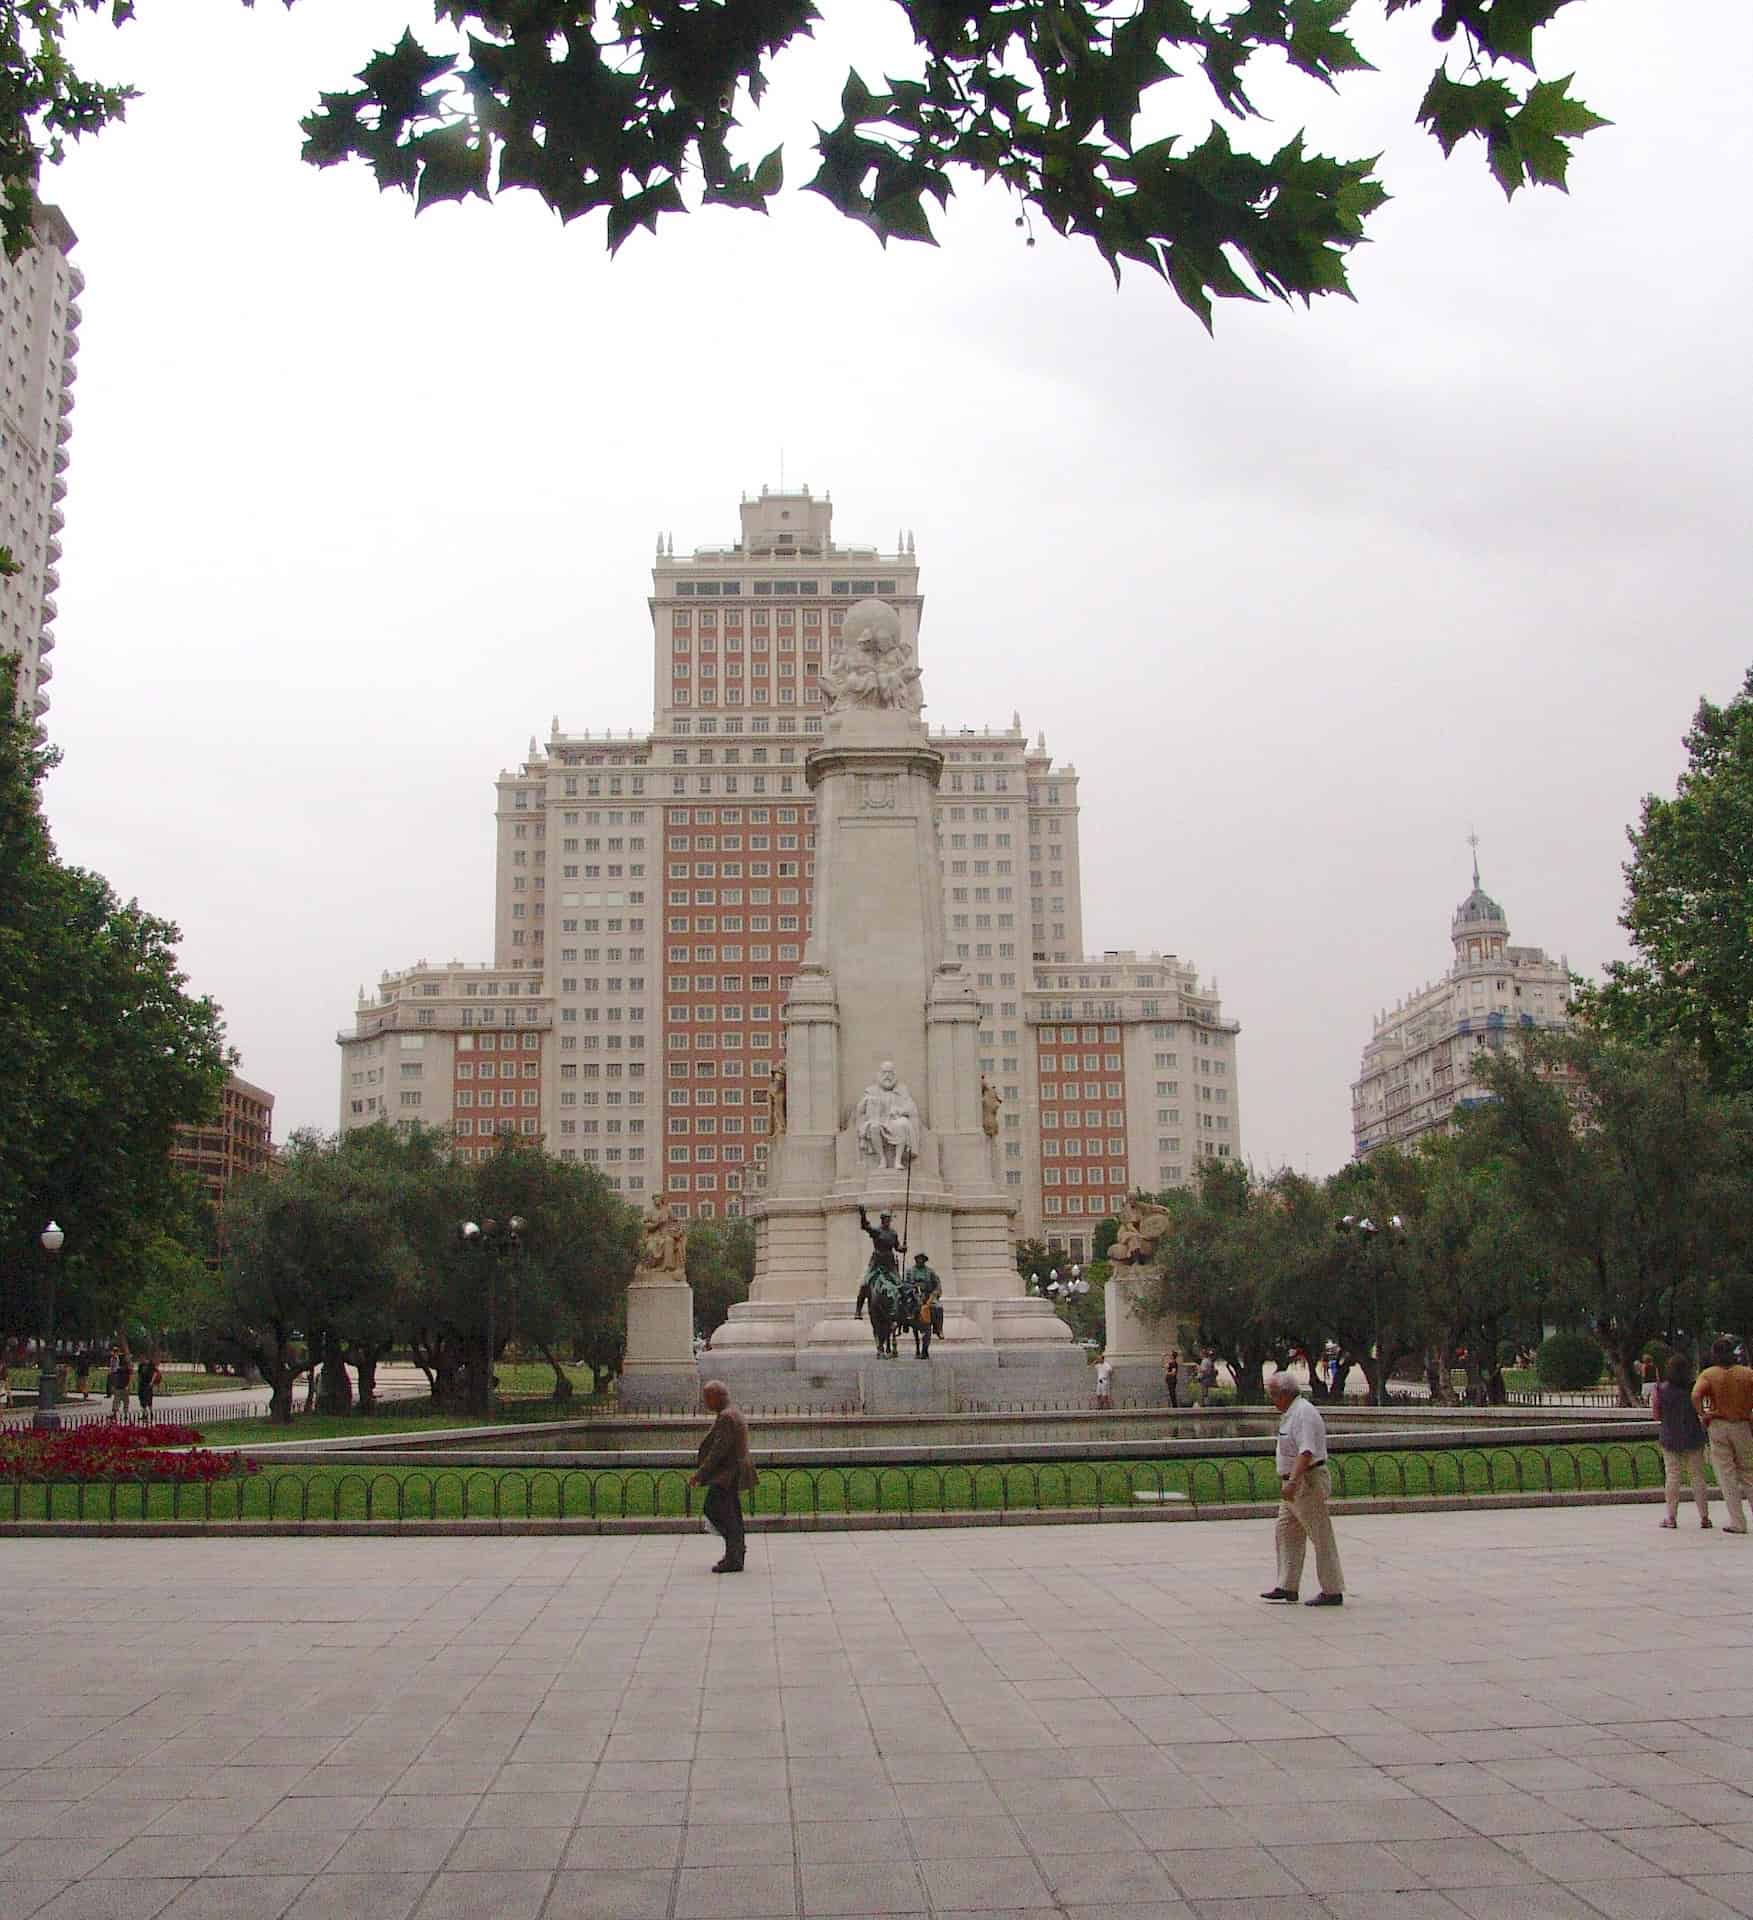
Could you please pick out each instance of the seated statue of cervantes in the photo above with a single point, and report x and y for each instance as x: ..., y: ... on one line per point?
x: 886, y: 1119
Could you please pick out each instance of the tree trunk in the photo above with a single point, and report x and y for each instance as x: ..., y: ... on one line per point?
x: 365, y: 1359
x: 563, y: 1389
x: 336, y: 1394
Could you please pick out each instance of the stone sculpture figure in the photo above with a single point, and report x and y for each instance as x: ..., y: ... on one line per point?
x: 872, y: 665
x: 1142, y: 1224
x: 886, y: 1119
x: 776, y: 1101
x: 990, y: 1101
x: 663, y: 1243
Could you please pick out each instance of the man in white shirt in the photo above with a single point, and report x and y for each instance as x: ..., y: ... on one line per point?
x: 1104, y: 1382
x: 1303, y: 1491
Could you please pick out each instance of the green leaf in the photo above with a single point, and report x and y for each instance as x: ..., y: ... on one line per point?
x: 770, y: 174
x: 642, y: 210
x: 1550, y: 109
x: 902, y: 217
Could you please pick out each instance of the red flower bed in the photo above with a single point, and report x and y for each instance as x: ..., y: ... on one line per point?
x: 114, y: 1452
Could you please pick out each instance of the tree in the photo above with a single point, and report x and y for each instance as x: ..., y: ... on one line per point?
x: 1632, y: 1171
x: 304, y: 1239
x: 1689, y: 906
x: 1213, y: 1276
x: 107, y: 1054
x: 721, y: 1269
x: 618, y: 107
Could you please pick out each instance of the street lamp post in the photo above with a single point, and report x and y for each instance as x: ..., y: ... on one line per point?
x: 496, y: 1238
x: 53, y: 1239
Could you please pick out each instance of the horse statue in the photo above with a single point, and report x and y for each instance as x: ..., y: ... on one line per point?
x: 882, y: 1292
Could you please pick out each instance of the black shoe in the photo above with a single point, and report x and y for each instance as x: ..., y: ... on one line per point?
x: 1279, y: 1593
x: 723, y: 1568
x: 1326, y: 1600
x: 718, y: 1566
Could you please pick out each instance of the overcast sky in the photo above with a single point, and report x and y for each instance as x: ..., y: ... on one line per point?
x: 358, y: 502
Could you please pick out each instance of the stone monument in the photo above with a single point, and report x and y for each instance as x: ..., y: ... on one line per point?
x: 1137, y: 1338
x: 659, y: 1365
x: 880, y: 1101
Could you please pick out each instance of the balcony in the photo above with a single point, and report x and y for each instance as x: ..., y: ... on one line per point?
x: 45, y: 673
x: 45, y: 642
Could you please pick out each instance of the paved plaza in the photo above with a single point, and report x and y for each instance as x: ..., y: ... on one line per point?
x: 1519, y: 1714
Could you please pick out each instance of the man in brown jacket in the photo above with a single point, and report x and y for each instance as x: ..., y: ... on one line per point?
x: 725, y: 1471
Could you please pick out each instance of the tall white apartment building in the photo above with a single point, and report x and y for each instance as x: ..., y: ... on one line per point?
x: 1419, y: 1066
x: 39, y: 330
x: 652, y: 901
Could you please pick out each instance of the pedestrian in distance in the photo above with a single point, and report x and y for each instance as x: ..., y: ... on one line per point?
x: 1723, y: 1395
x: 81, y: 1368
x: 1104, y: 1383
x: 5, y: 1376
x: 1683, y: 1440
x: 1304, y: 1490
x: 1206, y: 1377
x: 145, y: 1386
x: 1172, y: 1376
x: 121, y: 1373
x: 726, y: 1471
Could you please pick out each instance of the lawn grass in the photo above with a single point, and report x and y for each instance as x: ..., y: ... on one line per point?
x: 448, y: 1492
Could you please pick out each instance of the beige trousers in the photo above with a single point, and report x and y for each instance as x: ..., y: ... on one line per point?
x: 1731, y: 1453
x: 1306, y: 1519
x: 1691, y: 1465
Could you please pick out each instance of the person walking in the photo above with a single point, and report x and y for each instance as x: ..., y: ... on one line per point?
x: 1207, y: 1377
x: 726, y: 1472
x: 1683, y: 1440
x: 1304, y: 1490
x: 121, y: 1373
x: 145, y: 1385
x: 1172, y: 1376
x: 1723, y: 1395
x: 1104, y: 1383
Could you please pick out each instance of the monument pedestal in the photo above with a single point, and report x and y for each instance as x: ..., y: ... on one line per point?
x: 1137, y: 1339
x: 658, y: 1370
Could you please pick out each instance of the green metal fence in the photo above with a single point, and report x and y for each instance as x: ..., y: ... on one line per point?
x: 352, y: 1492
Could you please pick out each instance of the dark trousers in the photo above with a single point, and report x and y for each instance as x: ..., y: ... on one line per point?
x: 1174, y: 1387
x: 724, y: 1509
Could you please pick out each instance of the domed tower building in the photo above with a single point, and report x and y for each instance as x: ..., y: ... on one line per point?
x: 1420, y: 1064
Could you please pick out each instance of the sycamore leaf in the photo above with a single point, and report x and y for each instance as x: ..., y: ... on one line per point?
x: 1550, y: 109
x: 902, y: 217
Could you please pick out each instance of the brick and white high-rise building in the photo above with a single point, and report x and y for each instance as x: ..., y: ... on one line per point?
x: 39, y: 331
x: 652, y: 901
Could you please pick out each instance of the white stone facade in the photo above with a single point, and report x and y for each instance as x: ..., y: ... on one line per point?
x: 654, y: 893
x: 1418, y: 1068
x: 39, y: 331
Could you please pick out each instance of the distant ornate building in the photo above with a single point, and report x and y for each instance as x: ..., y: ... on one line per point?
x: 237, y: 1141
x: 1419, y: 1066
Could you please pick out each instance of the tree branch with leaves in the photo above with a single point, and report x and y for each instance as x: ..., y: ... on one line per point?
x: 632, y: 108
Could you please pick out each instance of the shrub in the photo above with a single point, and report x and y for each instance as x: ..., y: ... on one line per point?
x: 1569, y: 1361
